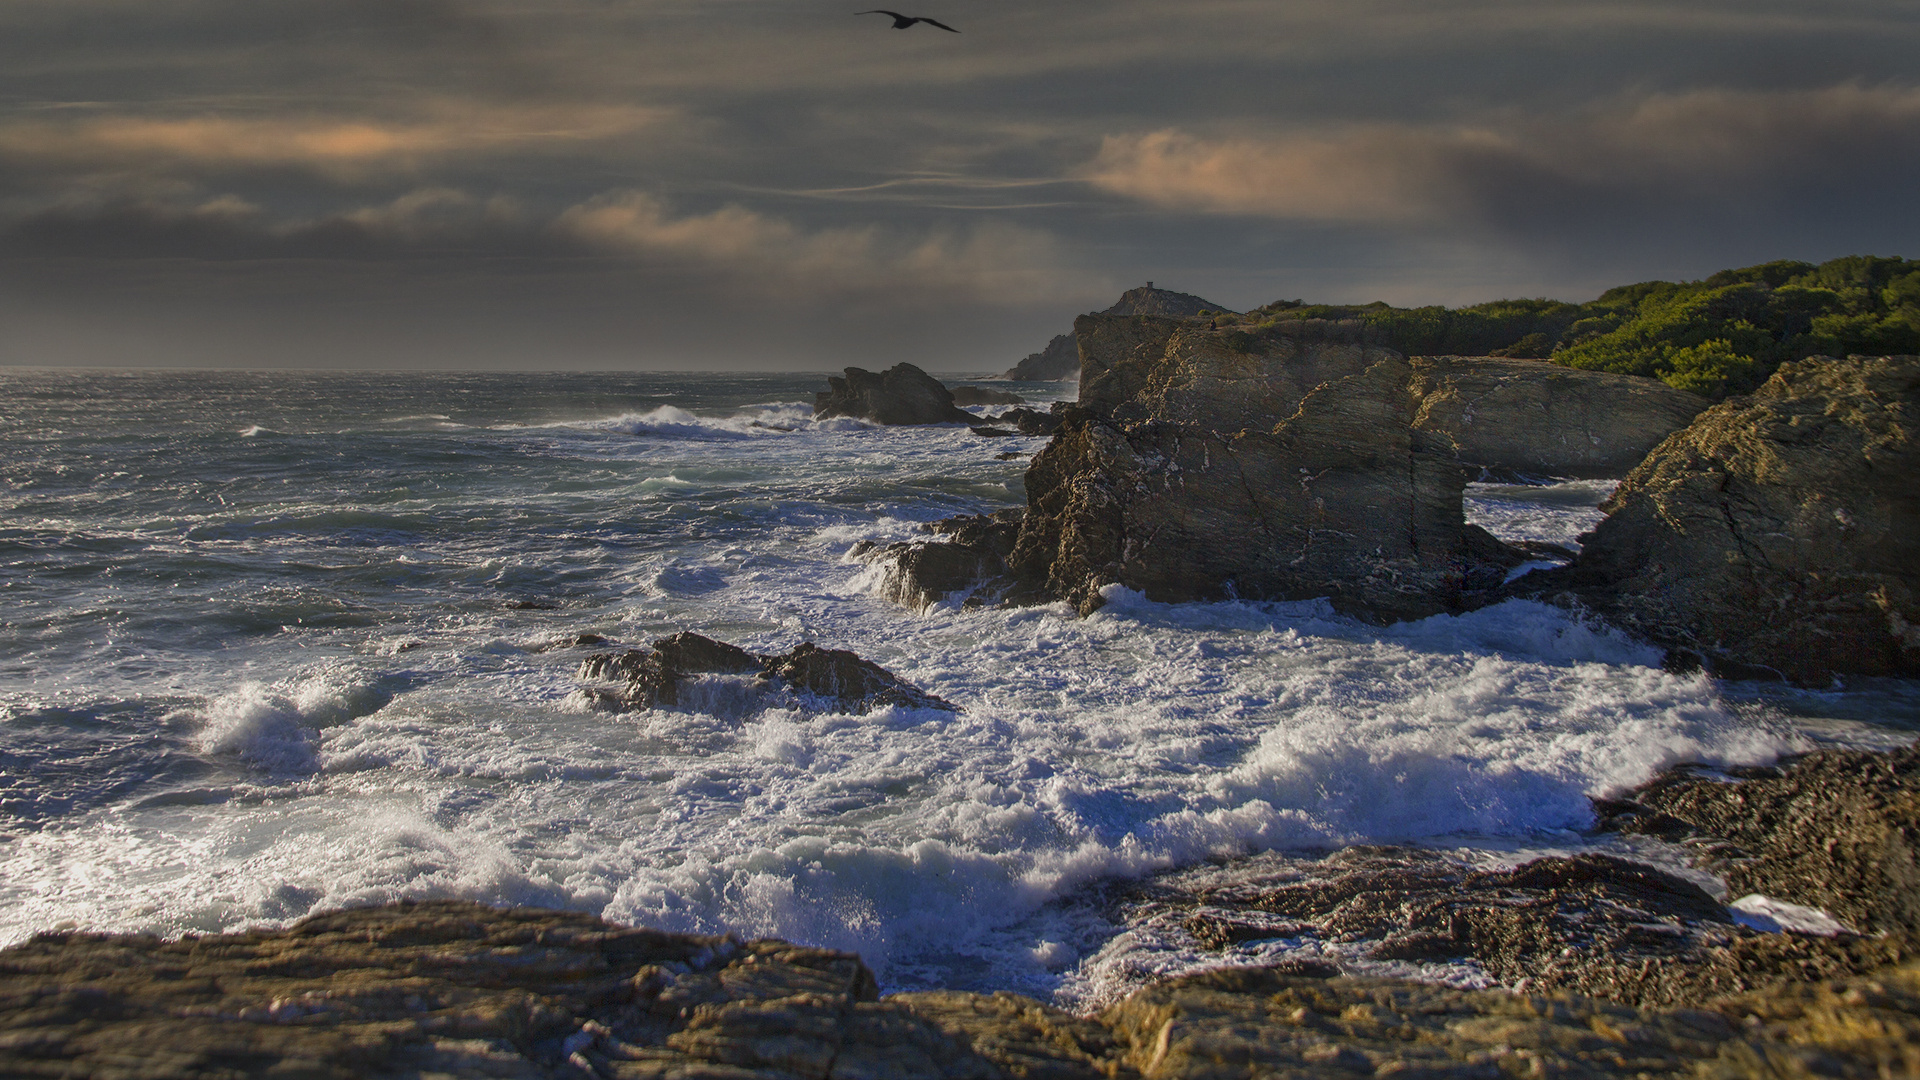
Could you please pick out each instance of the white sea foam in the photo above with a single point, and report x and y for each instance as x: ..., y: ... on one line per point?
x: 325, y: 761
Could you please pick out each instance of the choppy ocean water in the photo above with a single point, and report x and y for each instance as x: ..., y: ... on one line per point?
x: 278, y: 643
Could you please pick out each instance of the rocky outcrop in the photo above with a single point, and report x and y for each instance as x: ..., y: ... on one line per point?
x: 1531, y: 417
x: 450, y: 988
x: 1205, y: 463
x: 968, y: 564
x: 1838, y: 830
x: 982, y: 395
x: 1060, y: 360
x: 902, y: 394
x: 806, y: 676
x: 1779, y: 532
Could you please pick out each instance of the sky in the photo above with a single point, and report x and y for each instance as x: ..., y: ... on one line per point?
x: 789, y: 184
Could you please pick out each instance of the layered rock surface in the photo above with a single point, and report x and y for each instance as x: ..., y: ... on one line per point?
x: 1206, y: 463
x: 448, y: 988
x: 1779, y: 531
x: 1537, y: 418
x: 902, y: 394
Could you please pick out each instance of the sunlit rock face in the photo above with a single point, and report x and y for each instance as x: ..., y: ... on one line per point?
x: 1536, y: 418
x: 1205, y: 463
x: 1779, y: 531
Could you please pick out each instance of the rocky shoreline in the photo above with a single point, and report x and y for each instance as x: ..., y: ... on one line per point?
x: 1623, y: 970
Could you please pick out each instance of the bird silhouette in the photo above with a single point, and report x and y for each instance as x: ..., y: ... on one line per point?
x: 901, y: 22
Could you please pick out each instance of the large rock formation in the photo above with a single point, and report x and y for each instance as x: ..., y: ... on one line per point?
x: 1537, y: 418
x: 1208, y: 463
x: 902, y: 394
x: 1779, y: 531
x: 1060, y: 360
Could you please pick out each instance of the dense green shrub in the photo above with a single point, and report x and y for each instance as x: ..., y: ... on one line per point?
x: 1723, y: 335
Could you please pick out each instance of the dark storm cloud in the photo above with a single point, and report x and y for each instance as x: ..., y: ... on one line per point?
x: 784, y: 180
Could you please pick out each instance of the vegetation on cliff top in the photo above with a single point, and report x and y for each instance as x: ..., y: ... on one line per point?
x: 1722, y: 335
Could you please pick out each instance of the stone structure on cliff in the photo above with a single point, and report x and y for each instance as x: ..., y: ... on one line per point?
x: 1206, y: 463
x: 902, y: 394
x: 1535, y: 418
x: 1779, y: 531
x: 1060, y: 360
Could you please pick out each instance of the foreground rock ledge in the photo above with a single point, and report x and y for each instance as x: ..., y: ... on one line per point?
x: 458, y: 989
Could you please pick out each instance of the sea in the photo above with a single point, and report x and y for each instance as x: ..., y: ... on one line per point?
x: 274, y: 644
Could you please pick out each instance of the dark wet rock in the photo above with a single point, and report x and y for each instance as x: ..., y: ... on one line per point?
x: 1028, y: 421
x: 1010, y: 455
x: 575, y: 641
x: 969, y: 563
x: 1779, y: 532
x: 531, y: 605
x: 450, y: 988
x: 1838, y: 830
x: 902, y: 394
x: 983, y: 395
x: 1535, y: 418
x: 1592, y: 923
x: 995, y: 432
x: 834, y: 679
x: 1202, y: 466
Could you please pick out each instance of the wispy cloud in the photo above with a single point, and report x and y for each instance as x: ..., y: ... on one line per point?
x: 993, y: 261
x: 1719, y: 146
x: 335, y: 146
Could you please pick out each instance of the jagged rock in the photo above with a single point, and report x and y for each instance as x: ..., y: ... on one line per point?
x: 1058, y: 362
x: 1535, y: 418
x: 1779, y: 531
x: 981, y: 395
x: 1838, y: 830
x: 971, y: 563
x: 451, y: 988
x: 832, y: 678
x: 902, y: 394
x: 1204, y: 464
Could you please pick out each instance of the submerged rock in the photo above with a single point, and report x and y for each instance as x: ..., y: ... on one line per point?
x: 1837, y: 830
x: 1590, y: 923
x: 1779, y: 531
x: 1536, y: 418
x: 834, y: 679
x: 1206, y: 464
x: 902, y: 394
x: 450, y: 988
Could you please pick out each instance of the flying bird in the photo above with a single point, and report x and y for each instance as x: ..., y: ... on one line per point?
x: 901, y: 22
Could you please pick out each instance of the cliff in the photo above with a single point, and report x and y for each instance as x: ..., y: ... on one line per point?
x: 1060, y: 360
